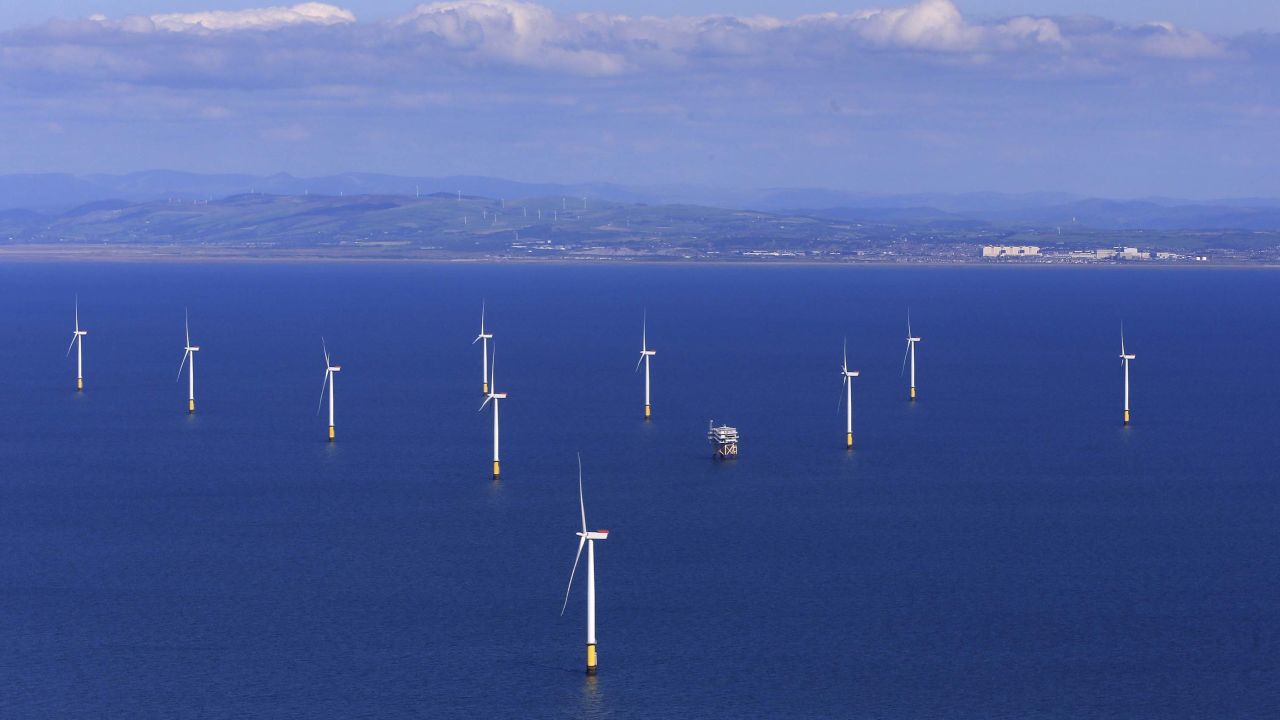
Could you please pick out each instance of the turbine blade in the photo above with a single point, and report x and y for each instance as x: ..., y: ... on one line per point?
x: 186, y: 323
x: 908, y: 322
x: 644, y: 332
x: 487, y: 398
x: 572, y: 572
x: 493, y: 365
x: 840, y: 402
x: 73, y: 342
x: 77, y: 313
x: 323, y: 385
x: 638, y: 363
x: 182, y: 364
x: 581, y: 505
x: 904, y: 357
x: 844, y: 364
x: 481, y: 317
x: 326, y: 355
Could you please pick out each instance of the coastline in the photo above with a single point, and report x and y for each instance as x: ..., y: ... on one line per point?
x: 140, y: 254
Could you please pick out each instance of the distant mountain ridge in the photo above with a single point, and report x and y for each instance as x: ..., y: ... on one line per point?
x: 55, y: 194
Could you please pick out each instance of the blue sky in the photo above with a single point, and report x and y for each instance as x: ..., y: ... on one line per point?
x: 1116, y: 99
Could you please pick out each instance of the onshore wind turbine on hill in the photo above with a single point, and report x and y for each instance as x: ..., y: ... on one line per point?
x: 330, y: 371
x: 77, y: 341
x: 588, y: 538
x: 911, y: 353
x: 1124, y: 360
x: 495, y: 396
x: 848, y: 376
x: 645, y: 354
x: 189, y: 354
x: 484, y: 351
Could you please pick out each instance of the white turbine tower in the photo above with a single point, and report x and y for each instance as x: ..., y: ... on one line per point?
x: 645, y: 354
x: 587, y: 538
x: 190, y: 353
x: 1124, y: 360
x: 848, y: 376
x: 77, y: 341
x: 495, y: 396
x: 484, y: 348
x: 329, y: 370
x: 911, y: 353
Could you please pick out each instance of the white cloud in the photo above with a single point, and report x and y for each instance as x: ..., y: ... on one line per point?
x: 325, y: 44
x: 519, y: 33
x: 270, y: 18
x: 527, y: 34
x: 1164, y: 39
x: 929, y: 24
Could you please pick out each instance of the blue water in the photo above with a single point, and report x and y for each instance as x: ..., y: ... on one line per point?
x: 1002, y: 548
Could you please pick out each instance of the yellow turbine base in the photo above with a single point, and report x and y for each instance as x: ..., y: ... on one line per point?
x: 79, y: 384
x: 484, y: 389
x: 848, y: 439
x: 1126, y: 417
x: 591, y: 659
x: 647, y: 412
x: 191, y: 406
x: 913, y: 393
x: 330, y: 433
x: 495, y: 468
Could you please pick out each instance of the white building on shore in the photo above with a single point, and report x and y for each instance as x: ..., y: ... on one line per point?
x: 996, y: 251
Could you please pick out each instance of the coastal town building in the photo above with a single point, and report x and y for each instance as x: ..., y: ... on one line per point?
x: 995, y: 251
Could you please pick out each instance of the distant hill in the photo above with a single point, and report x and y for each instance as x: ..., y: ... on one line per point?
x: 1092, y: 214
x: 59, y: 192
x: 1147, y: 215
x: 54, y: 194
x: 440, y: 221
x: 444, y: 225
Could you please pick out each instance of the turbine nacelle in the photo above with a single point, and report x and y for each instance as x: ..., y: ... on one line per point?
x: 594, y: 535
x: 331, y: 368
x: 1128, y: 357
x: 648, y: 352
x: 193, y: 348
x: 913, y: 339
x: 845, y: 372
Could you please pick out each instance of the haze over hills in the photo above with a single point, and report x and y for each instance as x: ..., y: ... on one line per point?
x: 390, y: 217
x: 449, y: 223
x: 461, y: 226
x: 55, y: 194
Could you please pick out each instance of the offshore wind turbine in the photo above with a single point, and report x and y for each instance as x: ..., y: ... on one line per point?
x: 1124, y: 360
x: 645, y: 354
x: 911, y: 353
x: 495, y: 396
x: 848, y: 376
x: 588, y: 538
x: 77, y: 341
x: 330, y: 370
x: 190, y: 353
x: 484, y: 354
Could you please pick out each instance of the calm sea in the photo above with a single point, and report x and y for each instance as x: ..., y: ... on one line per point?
x: 1002, y: 548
